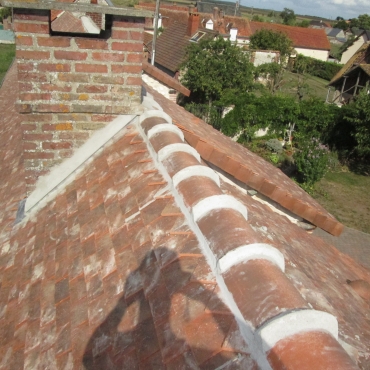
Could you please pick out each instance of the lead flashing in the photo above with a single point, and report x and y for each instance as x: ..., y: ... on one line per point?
x: 294, y: 323
x: 191, y: 171
x: 249, y: 252
x: 214, y: 202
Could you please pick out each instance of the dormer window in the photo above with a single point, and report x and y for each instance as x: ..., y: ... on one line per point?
x: 197, y: 36
x: 209, y: 25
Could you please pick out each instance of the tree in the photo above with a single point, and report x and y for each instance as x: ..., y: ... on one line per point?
x: 342, y: 24
x: 357, y: 113
x: 304, y: 23
x: 364, y: 21
x: 288, y: 16
x: 270, y: 40
x: 215, y: 67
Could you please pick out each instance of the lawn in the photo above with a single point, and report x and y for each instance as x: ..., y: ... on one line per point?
x: 7, y: 53
x: 314, y: 85
x: 346, y: 196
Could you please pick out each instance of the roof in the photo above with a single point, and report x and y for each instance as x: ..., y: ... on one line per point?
x: 319, y: 23
x: 165, y: 78
x: 207, y: 7
x: 116, y: 269
x: 333, y: 32
x: 171, y: 46
x: 68, y: 22
x: 307, y: 38
x: 248, y: 167
x: 361, y: 55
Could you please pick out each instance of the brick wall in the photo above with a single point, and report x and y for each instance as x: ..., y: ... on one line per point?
x: 70, y: 86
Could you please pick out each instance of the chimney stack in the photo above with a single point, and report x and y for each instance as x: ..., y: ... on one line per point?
x: 193, y: 23
x: 215, y: 14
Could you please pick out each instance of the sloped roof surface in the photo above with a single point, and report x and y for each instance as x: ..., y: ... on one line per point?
x: 248, y: 167
x: 171, y: 46
x: 68, y: 22
x: 111, y: 274
x: 362, y: 55
x: 302, y: 37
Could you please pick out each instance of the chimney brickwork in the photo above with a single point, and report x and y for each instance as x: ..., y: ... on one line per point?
x: 193, y: 23
x: 70, y: 86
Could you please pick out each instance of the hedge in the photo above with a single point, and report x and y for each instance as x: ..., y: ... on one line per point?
x: 315, y: 67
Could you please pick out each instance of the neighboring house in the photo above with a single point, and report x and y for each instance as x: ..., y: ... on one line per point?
x: 362, y: 38
x: 307, y: 41
x: 130, y: 235
x: 319, y: 24
x: 353, y: 77
x: 208, y: 7
x: 335, y: 35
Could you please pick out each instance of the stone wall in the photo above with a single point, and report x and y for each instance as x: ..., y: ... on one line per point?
x: 70, y: 85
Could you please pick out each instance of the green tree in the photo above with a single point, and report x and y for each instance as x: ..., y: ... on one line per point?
x: 270, y: 40
x: 357, y: 113
x: 216, y: 67
x: 5, y: 13
x: 342, y: 24
x: 364, y: 21
x: 288, y: 16
x: 304, y: 23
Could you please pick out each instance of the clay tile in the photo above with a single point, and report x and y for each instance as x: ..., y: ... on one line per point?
x: 204, y: 149
x: 262, y: 291
x: 243, y: 173
x: 267, y: 188
x: 191, y: 138
x: 218, y: 158
x: 361, y: 287
x: 255, y: 181
x: 310, y: 350
x: 232, y: 231
x: 163, y: 139
x: 177, y: 161
x: 196, y: 188
x: 151, y: 122
x: 232, y: 166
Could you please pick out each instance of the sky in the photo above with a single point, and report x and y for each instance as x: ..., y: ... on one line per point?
x: 329, y: 9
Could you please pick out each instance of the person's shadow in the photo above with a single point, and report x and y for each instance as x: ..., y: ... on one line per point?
x: 110, y: 348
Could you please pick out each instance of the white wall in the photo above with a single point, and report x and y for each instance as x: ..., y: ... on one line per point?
x: 159, y: 87
x: 317, y: 54
x: 347, y: 55
x: 262, y: 57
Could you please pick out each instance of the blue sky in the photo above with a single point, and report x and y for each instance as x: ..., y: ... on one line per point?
x: 325, y: 8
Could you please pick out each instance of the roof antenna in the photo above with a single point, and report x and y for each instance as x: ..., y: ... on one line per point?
x: 156, y: 16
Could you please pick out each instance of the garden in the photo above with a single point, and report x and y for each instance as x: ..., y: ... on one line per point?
x: 305, y: 137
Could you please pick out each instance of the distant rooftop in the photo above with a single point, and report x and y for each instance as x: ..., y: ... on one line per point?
x: 76, y: 7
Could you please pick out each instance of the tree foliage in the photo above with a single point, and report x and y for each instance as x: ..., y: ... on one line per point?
x: 270, y: 40
x: 215, y: 67
x: 357, y: 113
x: 288, y: 16
x: 342, y: 24
x: 362, y: 22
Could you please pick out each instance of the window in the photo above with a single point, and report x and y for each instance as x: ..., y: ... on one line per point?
x: 197, y: 36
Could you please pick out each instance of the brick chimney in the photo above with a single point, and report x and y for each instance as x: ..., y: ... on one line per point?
x: 216, y: 13
x: 193, y: 23
x: 70, y: 85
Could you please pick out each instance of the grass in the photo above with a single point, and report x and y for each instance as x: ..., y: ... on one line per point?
x: 346, y: 196
x: 7, y: 53
x: 314, y: 85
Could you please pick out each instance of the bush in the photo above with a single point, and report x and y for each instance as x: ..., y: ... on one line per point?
x: 311, y: 160
x: 274, y: 145
x: 315, y: 67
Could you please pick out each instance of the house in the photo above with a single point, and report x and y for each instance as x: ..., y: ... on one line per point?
x: 139, y: 245
x: 353, y: 77
x: 306, y: 41
x: 336, y: 35
x: 360, y: 40
x: 318, y: 24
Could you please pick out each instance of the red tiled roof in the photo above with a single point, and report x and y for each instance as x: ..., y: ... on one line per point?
x: 120, y: 268
x: 307, y: 38
x: 68, y: 22
x: 248, y: 167
x: 165, y: 78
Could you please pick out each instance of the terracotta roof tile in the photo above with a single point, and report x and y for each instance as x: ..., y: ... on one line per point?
x: 116, y: 270
x: 308, y: 38
x: 68, y: 22
x: 249, y: 168
x: 164, y: 78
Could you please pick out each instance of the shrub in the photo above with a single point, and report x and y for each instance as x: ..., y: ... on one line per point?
x: 274, y: 145
x: 311, y: 160
x: 315, y: 67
